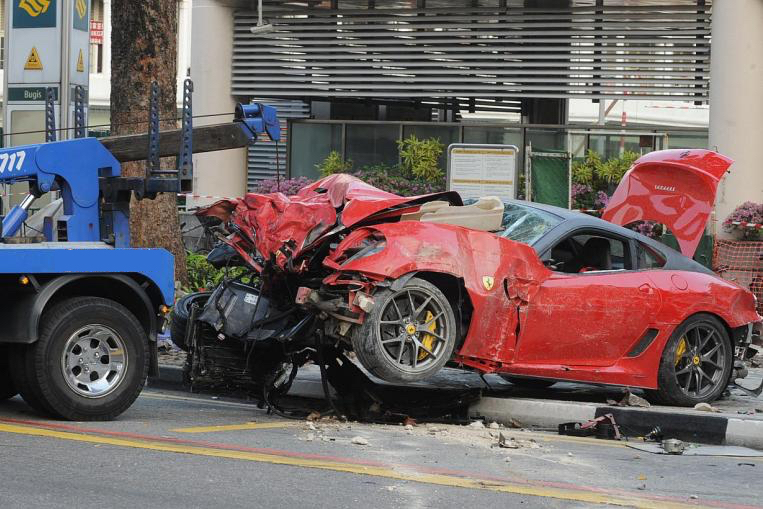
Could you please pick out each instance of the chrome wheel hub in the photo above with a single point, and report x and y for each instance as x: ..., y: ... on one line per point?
x: 94, y: 361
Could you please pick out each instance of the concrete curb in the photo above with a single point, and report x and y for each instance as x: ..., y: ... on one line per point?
x: 710, y: 428
x: 685, y: 424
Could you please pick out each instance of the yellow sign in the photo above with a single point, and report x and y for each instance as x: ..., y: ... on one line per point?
x: 80, y: 62
x: 81, y: 7
x: 33, y: 62
x: 488, y: 282
x: 35, y: 7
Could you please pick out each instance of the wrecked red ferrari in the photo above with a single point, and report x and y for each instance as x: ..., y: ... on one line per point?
x: 534, y: 293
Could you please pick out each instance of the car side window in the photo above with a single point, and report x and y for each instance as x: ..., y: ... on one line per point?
x: 648, y: 258
x: 589, y: 252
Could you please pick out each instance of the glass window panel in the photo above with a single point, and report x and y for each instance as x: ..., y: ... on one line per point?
x: 547, y: 139
x: 372, y: 144
x: 311, y: 144
x: 493, y: 135
x: 687, y: 140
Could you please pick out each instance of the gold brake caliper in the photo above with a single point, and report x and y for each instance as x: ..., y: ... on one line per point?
x: 427, y: 339
x: 680, y: 350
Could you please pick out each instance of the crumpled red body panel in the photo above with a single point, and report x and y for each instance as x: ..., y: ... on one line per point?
x: 500, y: 276
x: 281, y: 227
x: 673, y: 187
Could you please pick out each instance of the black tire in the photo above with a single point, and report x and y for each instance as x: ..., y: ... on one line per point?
x: 529, y: 383
x: 90, y: 362
x: 179, y: 316
x: 703, y: 363
x: 414, y: 361
x: 7, y: 389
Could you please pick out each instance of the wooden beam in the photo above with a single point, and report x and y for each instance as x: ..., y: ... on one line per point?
x: 134, y: 147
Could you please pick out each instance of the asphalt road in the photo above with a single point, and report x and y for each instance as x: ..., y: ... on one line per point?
x: 173, y: 450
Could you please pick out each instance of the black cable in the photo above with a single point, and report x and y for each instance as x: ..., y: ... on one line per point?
x: 116, y: 125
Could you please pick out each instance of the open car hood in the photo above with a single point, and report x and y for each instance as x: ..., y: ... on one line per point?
x: 281, y: 227
x: 674, y: 187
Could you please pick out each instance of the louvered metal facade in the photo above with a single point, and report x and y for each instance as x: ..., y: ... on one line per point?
x: 261, y: 159
x: 476, y: 55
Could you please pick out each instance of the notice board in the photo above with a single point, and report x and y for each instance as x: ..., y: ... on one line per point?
x: 476, y: 170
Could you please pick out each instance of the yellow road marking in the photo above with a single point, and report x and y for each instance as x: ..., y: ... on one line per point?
x: 235, y: 427
x: 592, y: 497
x: 208, y: 402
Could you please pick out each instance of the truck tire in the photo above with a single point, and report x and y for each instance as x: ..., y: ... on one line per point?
x: 7, y: 389
x: 90, y: 362
x: 179, y: 316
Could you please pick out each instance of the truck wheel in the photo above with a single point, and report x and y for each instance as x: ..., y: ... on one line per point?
x: 180, y: 313
x: 7, y: 389
x: 90, y: 362
x: 409, y: 334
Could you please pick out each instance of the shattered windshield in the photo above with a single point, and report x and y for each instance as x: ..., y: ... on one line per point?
x: 526, y: 224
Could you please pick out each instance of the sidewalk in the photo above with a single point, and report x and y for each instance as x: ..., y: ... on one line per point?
x: 739, y: 422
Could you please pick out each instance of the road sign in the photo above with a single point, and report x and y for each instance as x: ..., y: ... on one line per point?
x: 80, y: 62
x: 33, y: 62
x: 29, y: 94
x: 34, y: 13
x: 47, y: 44
x: 80, y: 17
x: 96, y: 32
x: 482, y: 170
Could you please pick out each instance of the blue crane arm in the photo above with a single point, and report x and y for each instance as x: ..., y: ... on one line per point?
x: 74, y: 166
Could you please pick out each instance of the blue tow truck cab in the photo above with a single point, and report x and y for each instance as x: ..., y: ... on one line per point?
x: 81, y: 309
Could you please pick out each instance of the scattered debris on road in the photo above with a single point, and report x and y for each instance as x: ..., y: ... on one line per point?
x: 359, y: 441
x: 630, y: 399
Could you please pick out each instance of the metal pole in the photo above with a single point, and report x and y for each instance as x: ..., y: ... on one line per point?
x: 64, y: 96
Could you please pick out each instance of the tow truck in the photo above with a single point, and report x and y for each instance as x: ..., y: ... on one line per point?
x: 80, y: 308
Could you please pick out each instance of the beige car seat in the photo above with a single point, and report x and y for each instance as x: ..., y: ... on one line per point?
x: 485, y: 215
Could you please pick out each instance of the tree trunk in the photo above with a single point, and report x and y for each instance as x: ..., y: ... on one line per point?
x: 144, y: 49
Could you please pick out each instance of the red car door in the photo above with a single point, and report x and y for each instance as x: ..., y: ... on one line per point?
x: 586, y: 319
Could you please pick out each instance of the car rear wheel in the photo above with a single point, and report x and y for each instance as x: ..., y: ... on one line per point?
x: 408, y: 335
x: 7, y: 389
x: 179, y: 316
x: 529, y: 383
x: 696, y: 364
x: 89, y: 363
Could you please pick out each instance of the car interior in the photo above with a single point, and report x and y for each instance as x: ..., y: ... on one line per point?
x: 588, y: 252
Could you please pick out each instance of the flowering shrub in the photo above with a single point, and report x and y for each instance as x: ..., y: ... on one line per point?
x: 601, y: 201
x: 391, y: 179
x: 647, y: 228
x: 748, y: 212
x: 288, y: 187
x: 582, y: 196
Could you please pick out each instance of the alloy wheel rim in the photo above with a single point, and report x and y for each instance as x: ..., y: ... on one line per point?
x: 413, y: 330
x: 699, y: 361
x: 94, y: 361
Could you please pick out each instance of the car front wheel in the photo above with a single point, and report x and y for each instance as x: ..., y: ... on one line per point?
x: 696, y: 364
